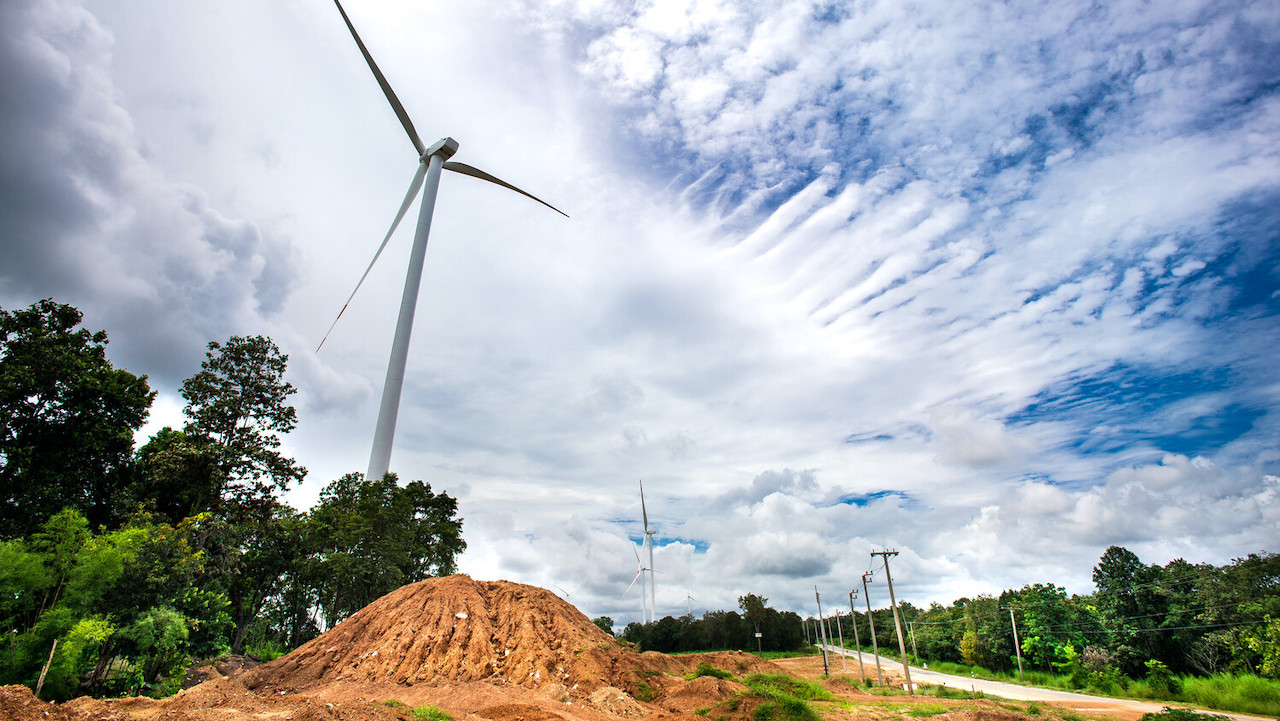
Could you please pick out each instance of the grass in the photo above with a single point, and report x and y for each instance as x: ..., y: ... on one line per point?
x: 706, y: 669
x: 645, y: 692
x: 770, y: 655
x: 785, y: 697
x: 266, y: 652
x: 1180, y: 714
x: 394, y: 703
x: 431, y: 713
x: 1226, y: 692
x: 776, y: 685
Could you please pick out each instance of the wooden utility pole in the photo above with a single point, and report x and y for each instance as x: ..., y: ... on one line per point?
x: 1016, y: 645
x: 826, y: 669
x: 853, y: 618
x: 897, y: 622
x: 875, y: 645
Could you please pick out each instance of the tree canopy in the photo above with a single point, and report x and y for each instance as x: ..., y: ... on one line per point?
x: 67, y: 419
x: 126, y: 565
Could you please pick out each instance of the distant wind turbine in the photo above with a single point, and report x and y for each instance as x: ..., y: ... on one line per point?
x: 689, y: 599
x: 640, y: 569
x: 430, y: 162
x: 648, y: 537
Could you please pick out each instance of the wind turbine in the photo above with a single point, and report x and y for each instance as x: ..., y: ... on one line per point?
x: 431, y: 160
x: 640, y: 569
x: 648, y: 537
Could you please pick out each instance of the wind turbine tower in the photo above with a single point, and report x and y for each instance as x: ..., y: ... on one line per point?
x: 431, y: 160
x: 648, y: 538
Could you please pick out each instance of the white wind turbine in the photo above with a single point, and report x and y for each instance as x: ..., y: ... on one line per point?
x: 648, y: 538
x: 640, y: 569
x: 430, y: 162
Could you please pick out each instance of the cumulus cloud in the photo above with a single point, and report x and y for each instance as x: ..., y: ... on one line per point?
x: 90, y: 220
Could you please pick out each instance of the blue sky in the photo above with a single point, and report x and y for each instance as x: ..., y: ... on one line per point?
x: 992, y: 284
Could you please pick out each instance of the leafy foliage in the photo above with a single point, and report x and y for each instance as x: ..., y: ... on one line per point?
x: 126, y: 566
x: 67, y: 419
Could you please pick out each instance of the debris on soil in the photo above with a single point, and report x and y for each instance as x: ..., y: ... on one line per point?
x: 221, y: 667
x: 617, y: 702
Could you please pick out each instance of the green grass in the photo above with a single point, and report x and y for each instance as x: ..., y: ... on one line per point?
x: 925, y: 710
x: 268, y: 651
x: 703, y: 711
x: 770, y: 655
x: 785, y: 709
x: 940, y: 691
x: 394, y: 703
x: 431, y: 713
x: 776, y: 685
x: 1227, y: 692
x: 706, y: 669
x: 645, y: 692
x: 786, y: 697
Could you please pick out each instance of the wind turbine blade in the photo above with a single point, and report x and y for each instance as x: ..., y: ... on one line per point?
x: 478, y: 173
x: 643, y: 513
x: 633, y: 582
x: 414, y: 186
x: 386, y: 87
x: 637, y: 555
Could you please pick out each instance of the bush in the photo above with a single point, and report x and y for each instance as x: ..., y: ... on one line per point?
x: 431, y: 713
x: 785, y: 709
x: 706, y: 669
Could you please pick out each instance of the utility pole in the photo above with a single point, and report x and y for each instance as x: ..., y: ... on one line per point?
x: 826, y: 669
x: 844, y: 665
x: 853, y: 617
x: 897, y: 622
x: 875, y: 646
x: 1016, y: 645
x: 806, y: 633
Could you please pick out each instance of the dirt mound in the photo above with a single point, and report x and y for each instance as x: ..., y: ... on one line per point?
x: 455, y: 629
x: 17, y: 703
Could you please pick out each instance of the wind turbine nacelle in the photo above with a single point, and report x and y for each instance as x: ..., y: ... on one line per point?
x: 444, y: 147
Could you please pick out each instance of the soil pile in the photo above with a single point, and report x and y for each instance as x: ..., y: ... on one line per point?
x: 455, y: 630
x: 17, y: 703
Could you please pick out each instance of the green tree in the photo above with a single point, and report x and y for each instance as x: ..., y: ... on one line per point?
x: 238, y: 403
x: 176, y: 474
x: 67, y: 419
x: 604, y: 623
x: 753, y: 607
x: 368, y: 538
x: 251, y: 546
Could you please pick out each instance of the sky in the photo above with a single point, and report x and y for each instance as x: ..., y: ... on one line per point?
x: 993, y: 285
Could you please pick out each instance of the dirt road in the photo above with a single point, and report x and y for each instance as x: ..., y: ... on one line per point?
x: 1126, y: 708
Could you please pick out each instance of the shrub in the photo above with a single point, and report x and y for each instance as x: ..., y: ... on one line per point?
x: 706, y: 669
x: 645, y: 692
x: 431, y: 713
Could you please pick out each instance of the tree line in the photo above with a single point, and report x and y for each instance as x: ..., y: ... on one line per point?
x: 1142, y: 621
x: 758, y: 628
x: 120, y: 565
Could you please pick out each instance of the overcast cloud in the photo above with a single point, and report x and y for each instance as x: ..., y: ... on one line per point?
x: 996, y: 286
